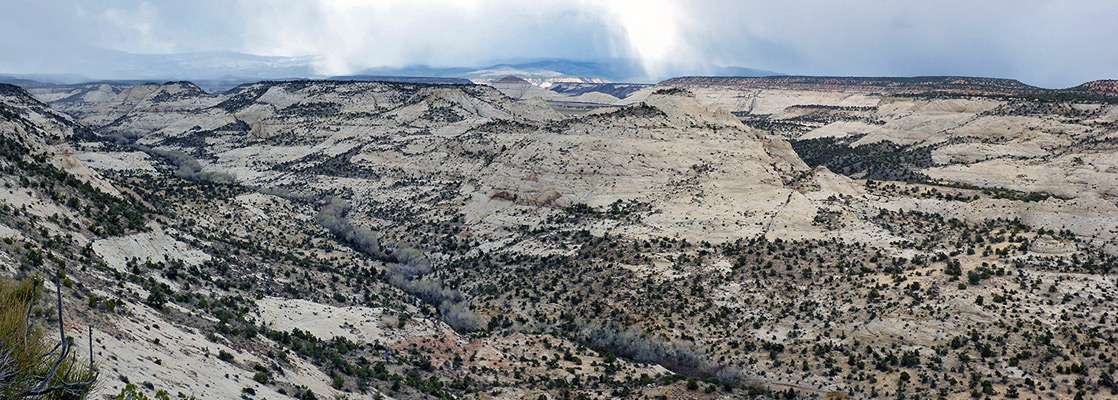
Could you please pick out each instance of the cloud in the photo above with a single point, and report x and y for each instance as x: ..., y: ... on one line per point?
x: 1045, y: 42
x: 1052, y: 43
x: 134, y: 30
x: 59, y: 36
x: 657, y: 33
x: 350, y: 35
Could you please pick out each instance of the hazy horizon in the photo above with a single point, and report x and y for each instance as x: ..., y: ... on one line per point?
x: 1043, y: 43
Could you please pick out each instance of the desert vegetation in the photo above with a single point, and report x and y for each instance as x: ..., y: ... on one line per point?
x: 442, y: 241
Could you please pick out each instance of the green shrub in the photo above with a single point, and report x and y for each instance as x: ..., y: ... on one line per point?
x: 261, y: 377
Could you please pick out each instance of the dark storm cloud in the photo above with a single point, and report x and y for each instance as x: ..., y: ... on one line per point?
x: 1047, y: 43
x: 1050, y: 43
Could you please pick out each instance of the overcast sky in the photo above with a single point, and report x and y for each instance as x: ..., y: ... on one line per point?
x: 1041, y: 42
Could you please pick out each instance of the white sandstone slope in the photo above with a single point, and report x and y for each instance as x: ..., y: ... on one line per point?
x: 132, y: 342
x: 699, y: 171
x: 536, y: 223
x: 1063, y: 149
x: 46, y: 132
x: 702, y: 173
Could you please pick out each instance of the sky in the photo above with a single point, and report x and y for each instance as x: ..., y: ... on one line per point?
x: 1048, y: 43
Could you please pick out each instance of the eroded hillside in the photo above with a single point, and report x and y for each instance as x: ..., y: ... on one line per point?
x: 421, y: 241
x: 1057, y: 154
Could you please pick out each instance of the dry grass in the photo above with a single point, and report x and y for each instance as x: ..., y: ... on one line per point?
x: 27, y: 356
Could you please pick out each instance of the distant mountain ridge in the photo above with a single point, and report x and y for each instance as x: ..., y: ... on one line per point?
x: 405, y: 79
x: 1105, y: 87
x: 611, y: 70
x: 951, y: 85
x: 884, y: 84
x: 218, y: 72
x: 543, y: 72
x: 232, y: 68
